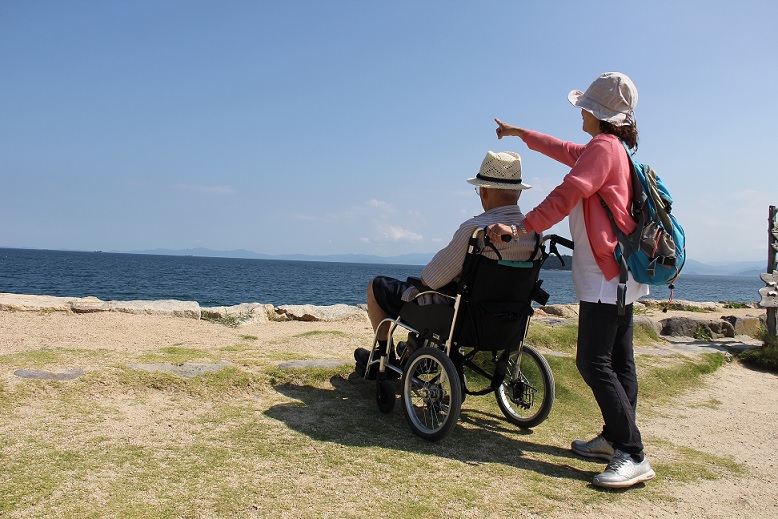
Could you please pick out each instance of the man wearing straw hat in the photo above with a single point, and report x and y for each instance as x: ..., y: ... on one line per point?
x: 499, y: 186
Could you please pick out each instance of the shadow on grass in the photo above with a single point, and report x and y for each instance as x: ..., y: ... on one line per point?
x: 348, y: 416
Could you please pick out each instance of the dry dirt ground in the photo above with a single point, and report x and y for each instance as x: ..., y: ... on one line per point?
x: 733, y: 414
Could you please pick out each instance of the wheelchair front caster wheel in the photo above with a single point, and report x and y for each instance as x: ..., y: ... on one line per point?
x: 385, y: 396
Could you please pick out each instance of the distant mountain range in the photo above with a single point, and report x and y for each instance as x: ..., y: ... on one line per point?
x: 403, y: 259
x: 742, y: 268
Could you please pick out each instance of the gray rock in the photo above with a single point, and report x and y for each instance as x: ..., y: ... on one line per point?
x: 40, y: 374
x: 185, y: 369
x: 641, y: 321
x: 85, y: 305
x: 246, y: 312
x: 31, y: 303
x: 566, y: 311
x: 170, y: 307
x: 749, y: 325
x: 320, y: 313
x: 690, y: 327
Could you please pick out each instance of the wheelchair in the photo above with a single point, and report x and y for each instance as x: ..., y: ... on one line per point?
x: 476, y: 327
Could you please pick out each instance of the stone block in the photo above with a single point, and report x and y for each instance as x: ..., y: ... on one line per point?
x: 748, y: 325
x: 172, y: 307
x: 320, y: 313
x: 690, y: 326
x: 85, y: 305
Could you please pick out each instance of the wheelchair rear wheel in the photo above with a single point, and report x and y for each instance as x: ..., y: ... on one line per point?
x: 431, y: 393
x: 526, y: 395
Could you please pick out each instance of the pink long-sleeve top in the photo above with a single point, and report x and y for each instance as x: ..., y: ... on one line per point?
x: 601, y: 166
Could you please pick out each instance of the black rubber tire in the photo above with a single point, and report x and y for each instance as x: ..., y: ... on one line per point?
x: 385, y: 396
x: 431, y: 394
x: 533, y: 377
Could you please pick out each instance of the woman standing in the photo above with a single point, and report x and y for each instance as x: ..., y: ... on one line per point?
x: 600, y: 172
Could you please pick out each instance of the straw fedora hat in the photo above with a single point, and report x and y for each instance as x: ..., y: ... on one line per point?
x: 501, y: 170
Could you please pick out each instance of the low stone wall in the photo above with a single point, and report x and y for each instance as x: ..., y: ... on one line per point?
x: 242, y: 313
x: 687, y: 325
x: 696, y: 320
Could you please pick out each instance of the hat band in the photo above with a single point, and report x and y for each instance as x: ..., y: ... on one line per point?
x: 495, y: 179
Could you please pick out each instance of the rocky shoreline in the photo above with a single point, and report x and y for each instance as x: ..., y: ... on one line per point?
x: 242, y: 313
x: 709, y: 320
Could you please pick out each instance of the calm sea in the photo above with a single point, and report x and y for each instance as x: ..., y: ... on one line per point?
x: 230, y: 281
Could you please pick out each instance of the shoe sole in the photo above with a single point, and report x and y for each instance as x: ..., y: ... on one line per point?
x: 592, y: 455
x: 642, y: 478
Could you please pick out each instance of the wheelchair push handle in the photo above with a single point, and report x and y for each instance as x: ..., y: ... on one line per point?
x: 555, y: 239
x: 505, y: 238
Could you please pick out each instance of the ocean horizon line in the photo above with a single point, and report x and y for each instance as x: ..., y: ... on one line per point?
x: 743, y: 268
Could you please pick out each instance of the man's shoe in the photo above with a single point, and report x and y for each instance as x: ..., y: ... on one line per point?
x: 597, y: 447
x: 623, y: 472
x: 361, y: 356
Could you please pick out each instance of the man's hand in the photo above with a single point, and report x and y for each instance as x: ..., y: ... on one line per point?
x: 497, y: 230
x: 506, y: 130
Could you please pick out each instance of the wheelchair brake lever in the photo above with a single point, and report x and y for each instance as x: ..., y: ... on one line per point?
x: 553, y: 250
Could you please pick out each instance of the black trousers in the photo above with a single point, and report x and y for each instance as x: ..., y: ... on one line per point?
x: 606, y: 362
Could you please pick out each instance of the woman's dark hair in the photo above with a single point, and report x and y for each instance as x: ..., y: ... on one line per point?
x: 627, y: 133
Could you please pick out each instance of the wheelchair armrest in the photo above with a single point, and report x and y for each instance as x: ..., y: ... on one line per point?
x: 417, y: 284
x: 446, y: 290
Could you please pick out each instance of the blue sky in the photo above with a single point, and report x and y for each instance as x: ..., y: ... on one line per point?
x: 330, y: 127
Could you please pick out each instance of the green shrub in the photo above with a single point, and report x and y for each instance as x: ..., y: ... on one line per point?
x: 702, y: 334
x: 732, y: 304
x: 765, y: 357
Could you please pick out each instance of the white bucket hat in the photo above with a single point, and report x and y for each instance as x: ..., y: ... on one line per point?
x: 500, y: 170
x: 610, y: 98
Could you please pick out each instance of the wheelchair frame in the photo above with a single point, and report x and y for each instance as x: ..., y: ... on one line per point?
x: 433, y: 385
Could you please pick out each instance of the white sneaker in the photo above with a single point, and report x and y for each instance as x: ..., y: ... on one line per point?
x: 623, y: 472
x: 597, y: 447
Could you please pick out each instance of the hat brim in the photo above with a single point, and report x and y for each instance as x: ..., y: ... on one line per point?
x: 578, y: 99
x: 497, y: 185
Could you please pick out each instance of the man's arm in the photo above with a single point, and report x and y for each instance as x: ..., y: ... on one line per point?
x: 446, y: 265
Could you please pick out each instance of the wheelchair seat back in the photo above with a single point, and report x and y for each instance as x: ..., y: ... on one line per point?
x: 496, y: 304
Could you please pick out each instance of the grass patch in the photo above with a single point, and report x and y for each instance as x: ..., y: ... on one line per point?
x: 237, y: 348
x: 645, y: 334
x: 765, y: 357
x: 175, y: 355
x: 563, y: 338
x: 674, y: 305
x: 662, y: 380
x: 262, y: 441
x: 733, y: 304
x: 701, y: 333
x: 307, y: 376
x: 558, y: 338
x: 314, y: 333
x: 696, y: 464
x: 214, y: 384
x: 231, y: 320
x: 33, y: 359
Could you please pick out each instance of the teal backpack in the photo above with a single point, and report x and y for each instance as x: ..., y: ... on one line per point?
x: 655, y: 251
